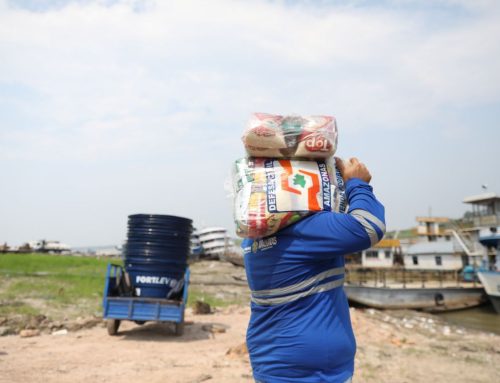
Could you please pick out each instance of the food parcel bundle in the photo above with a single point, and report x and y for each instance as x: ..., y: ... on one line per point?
x: 311, y: 137
x: 271, y: 194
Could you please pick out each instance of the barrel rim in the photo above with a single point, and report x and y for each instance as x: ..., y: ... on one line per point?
x: 162, y: 217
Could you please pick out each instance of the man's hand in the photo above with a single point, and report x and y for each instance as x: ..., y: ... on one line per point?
x: 352, y: 168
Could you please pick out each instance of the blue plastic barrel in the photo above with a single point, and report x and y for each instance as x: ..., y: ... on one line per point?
x: 156, y: 254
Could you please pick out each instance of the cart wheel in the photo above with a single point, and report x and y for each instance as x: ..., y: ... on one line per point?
x: 113, y: 325
x: 179, y: 328
x: 140, y: 322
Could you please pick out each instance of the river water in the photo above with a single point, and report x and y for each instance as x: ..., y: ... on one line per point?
x: 482, y: 318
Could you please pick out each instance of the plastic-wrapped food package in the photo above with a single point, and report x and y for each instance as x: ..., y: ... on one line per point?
x: 271, y: 194
x: 311, y: 137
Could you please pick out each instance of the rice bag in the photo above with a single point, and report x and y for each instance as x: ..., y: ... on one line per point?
x: 311, y: 137
x: 271, y: 194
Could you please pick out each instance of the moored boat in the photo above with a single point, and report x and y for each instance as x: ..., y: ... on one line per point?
x: 432, y: 291
x: 426, y: 299
x: 491, y: 283
x: 490, y: 278
x: 486, y: 221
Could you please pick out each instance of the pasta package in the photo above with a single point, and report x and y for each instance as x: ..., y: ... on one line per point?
x: 310, y: 137
x: 271, y: 194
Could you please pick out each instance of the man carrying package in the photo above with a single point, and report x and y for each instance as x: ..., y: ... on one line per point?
x: 300, y: 329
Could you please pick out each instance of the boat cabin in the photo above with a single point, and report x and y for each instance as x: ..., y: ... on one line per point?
x: 383, y: 254
x: 432, y: 228
x: 485, y: 210
x: 436, y: 255
x: 454, y: 247
x: 485, y: 220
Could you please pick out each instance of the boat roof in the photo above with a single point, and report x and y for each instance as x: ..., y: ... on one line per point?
x: 482, y: 198
x: 214, y: 229
x: 388, y: 243
x: 433, y: 219
x: 435, y: 247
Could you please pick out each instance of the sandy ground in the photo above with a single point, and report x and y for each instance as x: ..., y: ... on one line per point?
x: 406, y: 346
x: 399, y: 347
x: 149, y: 353
x: 392, y: 347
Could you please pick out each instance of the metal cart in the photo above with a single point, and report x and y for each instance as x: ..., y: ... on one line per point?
x: 120, y: 304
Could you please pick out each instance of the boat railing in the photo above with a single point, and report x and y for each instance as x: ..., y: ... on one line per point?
x: 400, y: 277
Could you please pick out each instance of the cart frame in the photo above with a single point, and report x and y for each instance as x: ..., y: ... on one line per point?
x: 140, y: 309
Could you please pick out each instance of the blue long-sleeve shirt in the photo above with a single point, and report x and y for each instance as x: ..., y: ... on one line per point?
x: 300, y: 329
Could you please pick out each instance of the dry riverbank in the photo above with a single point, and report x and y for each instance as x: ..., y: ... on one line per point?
x: 401, y: 346
x: 392, y: 347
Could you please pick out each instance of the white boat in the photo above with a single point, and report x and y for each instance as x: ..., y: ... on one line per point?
x: 214, y: 241
x: 486, y: 218
x: 490, y: 279
x: 196, y: 248
x: 47, y: 246
x: 491, y: 283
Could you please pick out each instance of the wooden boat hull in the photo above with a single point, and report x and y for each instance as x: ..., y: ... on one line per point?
x: 427, y: 299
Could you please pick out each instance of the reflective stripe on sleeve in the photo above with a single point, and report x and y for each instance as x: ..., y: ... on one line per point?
x: 369, y: 216
x: 362, y: 216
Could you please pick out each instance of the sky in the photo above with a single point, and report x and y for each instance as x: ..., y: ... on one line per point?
x: 110, y: 108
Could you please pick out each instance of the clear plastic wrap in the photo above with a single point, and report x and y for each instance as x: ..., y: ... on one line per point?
x: 309, y: 137
x: 270, y: 194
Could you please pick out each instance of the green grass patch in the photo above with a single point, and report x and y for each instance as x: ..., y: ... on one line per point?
x: 58, y: 281
x: 19, y: 308
x: 64, y: 283
x: 57, y: 288
x: 47, y: 264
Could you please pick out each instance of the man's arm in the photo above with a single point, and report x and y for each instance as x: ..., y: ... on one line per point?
x: 366, y: 214
x: 363, y: 225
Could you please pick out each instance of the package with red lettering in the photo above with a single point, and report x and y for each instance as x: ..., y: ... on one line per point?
x: 308, y: 137
x: 271, y: 194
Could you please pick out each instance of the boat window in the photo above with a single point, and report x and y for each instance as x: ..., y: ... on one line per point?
x: 387, y: 254
x: 372, y: 254
x: 415, y: 260
x: 439, y: 260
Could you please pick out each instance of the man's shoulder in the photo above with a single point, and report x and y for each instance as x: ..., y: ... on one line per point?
x: 310, y: 220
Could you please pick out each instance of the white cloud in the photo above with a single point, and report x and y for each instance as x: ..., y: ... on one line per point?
x: 135, y: 80
x: 109, y: 61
